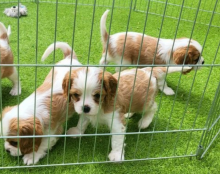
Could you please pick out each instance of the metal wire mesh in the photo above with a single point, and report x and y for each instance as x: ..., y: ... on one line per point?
x: 183, y: 124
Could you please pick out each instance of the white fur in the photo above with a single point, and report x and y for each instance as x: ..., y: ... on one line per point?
x: 27, y: 109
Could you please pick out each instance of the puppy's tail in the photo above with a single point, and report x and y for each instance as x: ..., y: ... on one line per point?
x: 160, y: 72
x: 104, y: 34
x: 3, y: 32
x: 67, y: 50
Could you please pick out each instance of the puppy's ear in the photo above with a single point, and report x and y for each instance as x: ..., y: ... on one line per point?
x: 67, y: 83
x: 30, y: 126
x: 110, y: 86
x: 191, y: 57
x: 180, y: 54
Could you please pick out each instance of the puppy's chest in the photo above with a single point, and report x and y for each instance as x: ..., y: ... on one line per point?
x: 96, y: 120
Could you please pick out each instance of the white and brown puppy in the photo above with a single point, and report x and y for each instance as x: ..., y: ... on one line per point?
x: 39, y: 116
x: 153, y: 50
x: 6, y: 57
x: 92, y: 93
x: 95, y: 103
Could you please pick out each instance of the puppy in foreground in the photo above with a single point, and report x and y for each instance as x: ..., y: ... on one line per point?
x: 6, y: 57
x: 99, y: 104
x: 39, y: 116
x: 178, y: 51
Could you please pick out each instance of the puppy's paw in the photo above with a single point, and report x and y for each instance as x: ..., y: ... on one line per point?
x: 128, y: 115
x: 116, y: 155
x: 144, y: 123
x: 28, y: 158
x: 74, y: 131
x: 168, y: 91
x: 14, y: 91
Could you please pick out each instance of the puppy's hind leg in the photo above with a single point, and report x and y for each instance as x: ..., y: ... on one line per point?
x: 145, y: 121
x: 16, y: 89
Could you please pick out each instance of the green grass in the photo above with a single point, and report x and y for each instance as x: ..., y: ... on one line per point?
x: 138, y: 146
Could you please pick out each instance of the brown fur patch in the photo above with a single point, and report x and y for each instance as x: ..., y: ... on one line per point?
x: 109, y: 90
x: 132, y: 49
x: 58, y: 109
x: 26, y: 127
x: 191, y: 57
x: 6, y: 58
x: 144, y: 92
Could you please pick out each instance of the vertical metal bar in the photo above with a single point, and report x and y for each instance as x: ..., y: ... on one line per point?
x: 18, y: 24
x: 72, y: 45
x: 90, y: 42
x: 52, y: 80
x: 35, y: 87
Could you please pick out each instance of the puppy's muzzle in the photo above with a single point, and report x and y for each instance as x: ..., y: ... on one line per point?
x: 86, y: 109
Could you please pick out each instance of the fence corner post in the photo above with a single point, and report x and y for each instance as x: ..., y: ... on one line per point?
x: 199, y: 152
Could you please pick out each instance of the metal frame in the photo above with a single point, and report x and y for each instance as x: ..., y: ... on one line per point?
x: 210, y: 130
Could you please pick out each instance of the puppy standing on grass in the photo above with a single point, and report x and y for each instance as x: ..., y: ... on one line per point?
x: 95, y: 103
x: 178, y: 51
x: 39, y: 116
x: 6, y: 57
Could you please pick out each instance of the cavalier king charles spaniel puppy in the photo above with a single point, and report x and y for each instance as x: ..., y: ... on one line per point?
x: 6, y: 57
x: 93, y: 94
x: 43, y: 115
x: 153, y: 50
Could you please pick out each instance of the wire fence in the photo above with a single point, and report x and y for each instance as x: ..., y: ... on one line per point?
x: 185, y: 124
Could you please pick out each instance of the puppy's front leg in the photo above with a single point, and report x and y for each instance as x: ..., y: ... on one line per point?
x: 80, y: 128
x: 117, y: 153
x: 162, y: 85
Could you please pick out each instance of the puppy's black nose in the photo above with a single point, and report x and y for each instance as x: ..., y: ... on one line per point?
x: 8, y: 151
x: 14, y: 6
x: 203, y: 62
x: 86, y: 109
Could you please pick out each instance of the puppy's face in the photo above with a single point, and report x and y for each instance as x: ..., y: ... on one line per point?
x: 189, y: 54
x: 23, y: 127
x: 86, y: 90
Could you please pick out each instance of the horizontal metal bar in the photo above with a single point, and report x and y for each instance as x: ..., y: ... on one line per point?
x: 140, y: 66
x: 216, y: 26
x: 95, y: 162
x: 103, y: 134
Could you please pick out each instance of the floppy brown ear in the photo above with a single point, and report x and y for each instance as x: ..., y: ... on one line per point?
x: 180, y: 54
x: 26, y: 127
x: 68, y: 80
x: 110, y: 86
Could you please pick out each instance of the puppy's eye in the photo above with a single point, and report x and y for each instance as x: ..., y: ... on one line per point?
x: 97, y: 96
x: 75, y: 95
x: 196, y: 60
x: 13, y: 143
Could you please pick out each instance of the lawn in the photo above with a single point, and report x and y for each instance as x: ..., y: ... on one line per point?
x: 186, y: 110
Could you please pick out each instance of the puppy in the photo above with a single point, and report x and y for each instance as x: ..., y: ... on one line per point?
x: 6, y: 57
x: 153, y: 50
x: 43, y: 115
x: 97, y: 104
x: 92, y: 93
